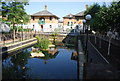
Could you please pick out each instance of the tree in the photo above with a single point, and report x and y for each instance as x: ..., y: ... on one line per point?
x: 109, y: 17
x: 105, y: 19
x: 15, y: 12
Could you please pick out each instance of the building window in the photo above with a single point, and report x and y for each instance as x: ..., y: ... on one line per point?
x: 50, y: 18
x: 33, y: 18
x: 68, y: 23
x: 41, y: 21
x: 71, y: 23
x: 33, y: 25
x: 77, y: 18
x: 50, y: 26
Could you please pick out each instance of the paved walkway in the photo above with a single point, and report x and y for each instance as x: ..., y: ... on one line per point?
x: 98, y: 67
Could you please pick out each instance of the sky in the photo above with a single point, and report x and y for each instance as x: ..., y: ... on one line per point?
x: 60, y: 9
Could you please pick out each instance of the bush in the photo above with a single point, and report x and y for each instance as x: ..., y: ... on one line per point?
x: 44, y: 44
x: 38, y: 39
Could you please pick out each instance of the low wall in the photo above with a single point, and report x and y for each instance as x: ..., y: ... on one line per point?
x: 7, y: 49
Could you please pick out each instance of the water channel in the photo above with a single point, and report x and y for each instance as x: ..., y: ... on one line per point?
x: 21, y: 65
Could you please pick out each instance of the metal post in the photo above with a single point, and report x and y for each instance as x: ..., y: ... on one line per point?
x: 83, y: 28
x: 86, y: 47
x: 83, y: 36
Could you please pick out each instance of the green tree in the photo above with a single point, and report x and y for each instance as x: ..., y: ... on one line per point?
x: 105, y: 19
x: 109, y: 16
x: 15, y: 12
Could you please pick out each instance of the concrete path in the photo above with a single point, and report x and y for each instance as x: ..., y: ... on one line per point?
x: 99, y: 67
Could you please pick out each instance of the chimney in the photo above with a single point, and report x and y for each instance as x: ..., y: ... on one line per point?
x: 45, y: 7
x: 86, y: 6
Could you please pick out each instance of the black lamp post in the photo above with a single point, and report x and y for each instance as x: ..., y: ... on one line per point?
x: 84, y: 21
x: 88, y: 18
x: 84, y: 24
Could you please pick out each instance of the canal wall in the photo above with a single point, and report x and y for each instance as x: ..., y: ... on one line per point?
x: 17, y: 46
x: 81, y: 60
x: 23, y: 44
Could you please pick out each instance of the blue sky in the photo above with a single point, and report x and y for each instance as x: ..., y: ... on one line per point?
x: 60, y: 9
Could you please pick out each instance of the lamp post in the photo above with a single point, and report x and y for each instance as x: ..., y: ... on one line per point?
x: 88, y: 18
x: 84, y: 23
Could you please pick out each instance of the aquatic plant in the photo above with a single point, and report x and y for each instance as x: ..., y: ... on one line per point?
x: 43, y: 43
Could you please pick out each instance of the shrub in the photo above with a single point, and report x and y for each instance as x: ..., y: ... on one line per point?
x: 38, y: 38
x: 44, y: 43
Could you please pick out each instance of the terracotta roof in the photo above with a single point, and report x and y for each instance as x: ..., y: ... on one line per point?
x: 69, y: 15
x: 80, y: 14
x: 44, y: 13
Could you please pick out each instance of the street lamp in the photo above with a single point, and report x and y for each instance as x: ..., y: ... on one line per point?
x: 88, y: 18
x: 84, y: 21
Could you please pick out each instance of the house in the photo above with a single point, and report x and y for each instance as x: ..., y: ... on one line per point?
x: 71, y: 21
x: 68, y: 21
x: 44, y: 21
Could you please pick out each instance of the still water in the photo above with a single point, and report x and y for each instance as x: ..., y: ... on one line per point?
x: 58, y: 66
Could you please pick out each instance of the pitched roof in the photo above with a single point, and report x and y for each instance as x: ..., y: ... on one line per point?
x: 69, y: 15
x: 44, y: 13
x: 80, y: 14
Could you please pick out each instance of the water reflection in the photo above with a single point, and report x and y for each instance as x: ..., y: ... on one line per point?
x: 74, y: 56
x: 53, y: 66
x: 15, y: 66
x: 48, y: 56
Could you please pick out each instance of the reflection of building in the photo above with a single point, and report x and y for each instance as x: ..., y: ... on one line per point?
x: 44, y: 21
x: 74, y: 56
